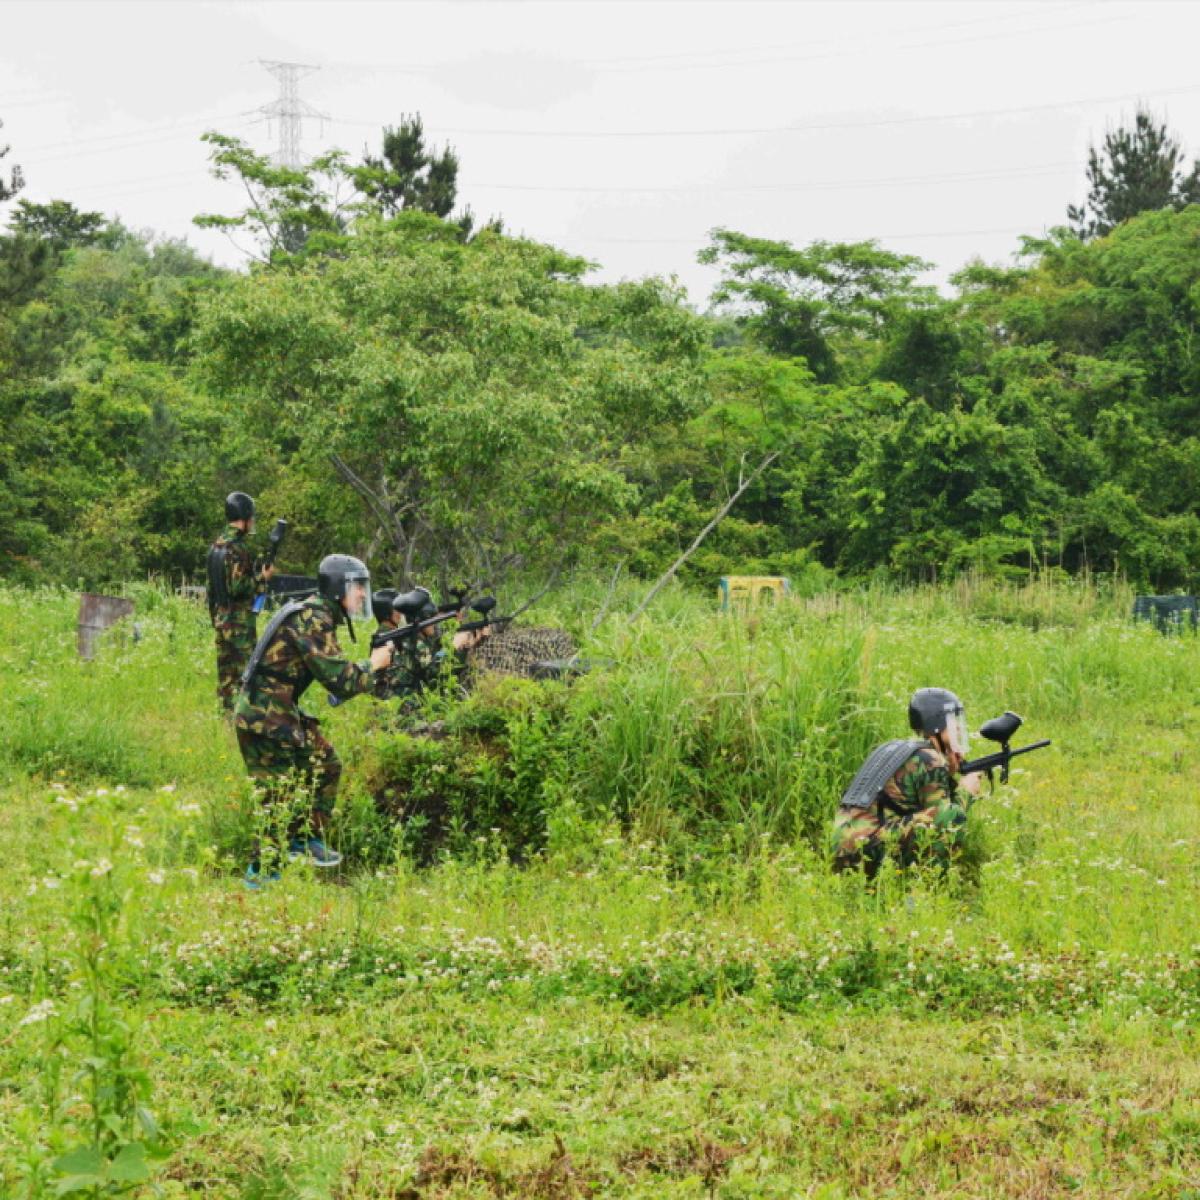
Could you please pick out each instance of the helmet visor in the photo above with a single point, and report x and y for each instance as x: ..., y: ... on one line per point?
x: 356, y: 599
x: 956, y: 732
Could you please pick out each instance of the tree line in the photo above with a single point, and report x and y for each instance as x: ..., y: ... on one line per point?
x: 457, y: 403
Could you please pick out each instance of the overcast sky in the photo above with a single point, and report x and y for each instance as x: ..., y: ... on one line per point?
x: 619, y: 131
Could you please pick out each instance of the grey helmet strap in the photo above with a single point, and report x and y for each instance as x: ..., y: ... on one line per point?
x: 882, y: 763
x: 268, y: 636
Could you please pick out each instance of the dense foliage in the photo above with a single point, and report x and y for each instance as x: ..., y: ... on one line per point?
x: 468, y: 405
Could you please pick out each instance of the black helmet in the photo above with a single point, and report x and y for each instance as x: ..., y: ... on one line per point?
x: 930, y: 709
x: 381, y: 604
x: 336, y: 571
x: 416, y: 605
x: 239, y: 507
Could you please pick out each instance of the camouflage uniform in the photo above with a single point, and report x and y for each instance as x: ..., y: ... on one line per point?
x: 920, y: 813
x: 235, y: 625
x: 279, y: 742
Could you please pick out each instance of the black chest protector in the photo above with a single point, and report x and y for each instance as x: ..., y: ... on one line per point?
x: 882, y: 763
x: 218, y: 593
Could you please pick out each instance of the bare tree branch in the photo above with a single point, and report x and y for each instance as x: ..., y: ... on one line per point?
x: 554, y: 574
x: 666, y: 578
x: 612, y: 587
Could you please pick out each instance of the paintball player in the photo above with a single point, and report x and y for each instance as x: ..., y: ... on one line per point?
x: 281, y: 744
x: 907, y: 797
x: 412, y: 670
x: 235, y: 581
x: 406, y: 675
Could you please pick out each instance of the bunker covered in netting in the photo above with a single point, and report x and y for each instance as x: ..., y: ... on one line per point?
x: 522, y: 650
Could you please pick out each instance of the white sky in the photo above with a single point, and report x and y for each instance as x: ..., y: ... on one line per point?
x: 619, y: 131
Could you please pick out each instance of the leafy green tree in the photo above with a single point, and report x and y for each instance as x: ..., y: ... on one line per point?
x: 63, y: 225
x: 483, y: 403
x: 822, y: 303
x: 1139, y: 168
x: 291, y: 210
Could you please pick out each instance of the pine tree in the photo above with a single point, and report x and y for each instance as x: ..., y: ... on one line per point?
x: 1137, y: 169
x: 16, y: 180
x: 408, y: 174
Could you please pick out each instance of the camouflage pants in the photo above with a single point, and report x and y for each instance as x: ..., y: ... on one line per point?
x: 280, y: 768
x: 863, y: 837
x: 235, y: 643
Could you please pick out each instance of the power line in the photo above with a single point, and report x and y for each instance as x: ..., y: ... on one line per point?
x: 103, y: 142
x: 996, y: 175
x: 876, y: 237
x: 885, y: 38
x: 813, y: 127
x: 784, y: 59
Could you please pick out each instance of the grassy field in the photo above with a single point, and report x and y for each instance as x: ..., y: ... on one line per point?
x: 633, y: 975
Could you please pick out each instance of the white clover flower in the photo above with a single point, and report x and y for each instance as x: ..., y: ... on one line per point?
x: 156, y: 877
x: 133, y: 839
x: 39, y: 1012
x: 102, y: 868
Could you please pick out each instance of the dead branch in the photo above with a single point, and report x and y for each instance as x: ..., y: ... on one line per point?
x: 743, y: 484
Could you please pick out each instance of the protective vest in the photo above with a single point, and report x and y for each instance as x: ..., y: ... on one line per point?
x: 218, y: 593
x: 882, y: 763
x: 268, y: 636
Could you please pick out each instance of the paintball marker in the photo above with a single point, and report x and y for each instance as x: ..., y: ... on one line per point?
x: 1000, y: 729
x: 274, y: 541
x: 485, y: 606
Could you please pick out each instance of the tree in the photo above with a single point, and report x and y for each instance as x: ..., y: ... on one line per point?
x: 481, y: 401
x: 60, y: 223
x: 16, y: 179
x: 813, y: 303
x: 292, y: 210
x: 408, y: 174
x: 1138, y: 169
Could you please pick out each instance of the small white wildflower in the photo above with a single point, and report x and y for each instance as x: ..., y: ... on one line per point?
x: 50, y: 883
x: 132, y: 839
x: 167, y: 787
x: 39, y: 1012
x: 102, y: 791
x: 269, y: 1023
x: 101, y: 869
x: 156, y: 877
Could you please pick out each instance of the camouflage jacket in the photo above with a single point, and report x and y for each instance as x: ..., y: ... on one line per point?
x: 303, y: 649
x: 244, y: 578
x: 924, y: 781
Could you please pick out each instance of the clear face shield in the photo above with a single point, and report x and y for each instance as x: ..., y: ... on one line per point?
x: 956, y: 731
x: 357, y: 600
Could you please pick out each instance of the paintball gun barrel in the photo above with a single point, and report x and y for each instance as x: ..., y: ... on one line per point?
x: 1000, y: 729
x: 274, y: 541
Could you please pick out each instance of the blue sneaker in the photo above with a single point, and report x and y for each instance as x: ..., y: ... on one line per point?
x: 255, y: 880
x: 314, y: 850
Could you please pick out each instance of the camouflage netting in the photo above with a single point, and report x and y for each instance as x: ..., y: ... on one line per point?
x: 514, y: 651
